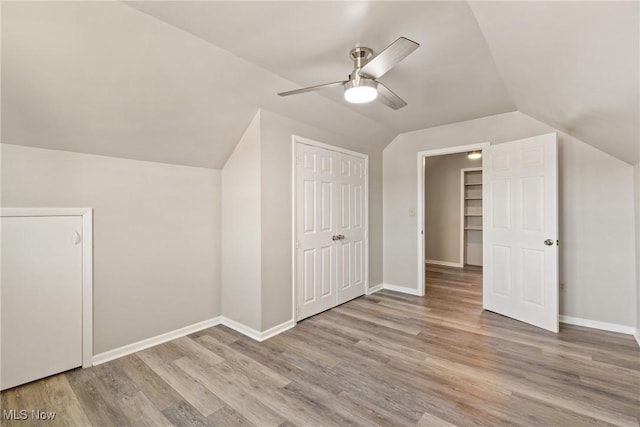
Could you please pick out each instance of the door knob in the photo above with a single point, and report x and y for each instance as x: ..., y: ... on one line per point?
x: 338, y: 237
x: 548, y: 242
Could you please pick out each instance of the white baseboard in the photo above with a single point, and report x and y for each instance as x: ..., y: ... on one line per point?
x: 150, y: 342
x: 178, y: 333
x: 240, y: 327
x: 404, y: 290
x: 278, y: 329
x: 637, y: 337
x: 595, y: 324
x: 254, y: 334
x: 374, y: 289
x: 444, y: 263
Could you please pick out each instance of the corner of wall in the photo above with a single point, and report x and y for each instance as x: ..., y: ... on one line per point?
x: 241, y: 230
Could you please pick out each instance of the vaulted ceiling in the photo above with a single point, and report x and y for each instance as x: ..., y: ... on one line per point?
x: 179, y: 81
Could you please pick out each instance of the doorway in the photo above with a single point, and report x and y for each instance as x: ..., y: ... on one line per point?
x: 453, y: 224
x: 446, y: 221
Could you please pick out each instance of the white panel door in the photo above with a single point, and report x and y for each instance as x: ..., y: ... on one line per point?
x: 315, y: 211
x: 41, y: 297
x: 351, y: 227
x: 520, y: 192
x: 331, y: 228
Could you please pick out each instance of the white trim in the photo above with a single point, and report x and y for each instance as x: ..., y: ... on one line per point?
x: 445, y: 263
x: 295, y: 139
x: 403, y: 289
x: 240, y: 327
x: 374, y: 289
x: 420, y: 200
x: 637, y: 337
x: 135, y: 347
x: 153, y: 341
x: 87, y: 288
x: 294, y: 253
x: 9, y: 212
x: 278, y: 329
x: 313, y: 143
x: 595, y: 324
x: 87, y: 266
x: 254, y: 334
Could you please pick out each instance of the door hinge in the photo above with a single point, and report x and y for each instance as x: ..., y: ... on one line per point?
x: 297, y: 159
x: 297, y: 312
x: 297, y: 244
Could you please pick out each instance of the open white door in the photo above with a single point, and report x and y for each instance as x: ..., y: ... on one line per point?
x: 520, y: 192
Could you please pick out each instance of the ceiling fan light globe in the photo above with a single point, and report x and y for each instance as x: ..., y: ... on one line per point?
x: 360, y: 91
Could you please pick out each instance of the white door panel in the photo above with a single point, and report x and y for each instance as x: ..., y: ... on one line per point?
x: 351, y: 250
x: 521, y: 213
x: 41, y: 313
x: 331, y: 228
x: 316, y: 268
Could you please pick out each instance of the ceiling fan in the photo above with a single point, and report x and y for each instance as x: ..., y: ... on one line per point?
x: 363, y: 85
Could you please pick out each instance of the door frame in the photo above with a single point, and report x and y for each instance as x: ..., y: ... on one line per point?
x: 295, y: 140
x: 87, y: 266
x: 420, y: 216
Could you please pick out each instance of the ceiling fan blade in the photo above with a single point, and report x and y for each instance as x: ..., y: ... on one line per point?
x: 311, y: 88
x: 389, y: 98
x: 388, y: 58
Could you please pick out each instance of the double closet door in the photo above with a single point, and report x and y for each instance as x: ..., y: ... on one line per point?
x: 331, y: 228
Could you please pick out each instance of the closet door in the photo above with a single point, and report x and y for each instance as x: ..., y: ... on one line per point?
x: 315, y: 219
x: 331, y: 228
x: 41, y: 317
x: 351, y: 223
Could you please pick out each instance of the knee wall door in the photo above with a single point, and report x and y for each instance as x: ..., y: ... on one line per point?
x: 41, y: 307
x: 331, y: 228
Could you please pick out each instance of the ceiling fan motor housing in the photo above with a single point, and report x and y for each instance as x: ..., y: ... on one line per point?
x: 360, y: 56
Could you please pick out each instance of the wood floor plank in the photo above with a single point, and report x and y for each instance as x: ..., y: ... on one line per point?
x: 183, y: 414
x: 194, y: 393
x: 158, y: 390
x: 227, y: 416
x: 387, y: 359
x: 233, y: 395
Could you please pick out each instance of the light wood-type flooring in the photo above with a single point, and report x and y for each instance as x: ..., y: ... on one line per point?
x: 386, y: 359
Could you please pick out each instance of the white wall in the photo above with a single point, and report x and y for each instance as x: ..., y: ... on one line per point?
x: 241, y: 230
x: 636, y: 181
x: 156, y: 235
x: 442, y: 205
x: 276, y: 178
x: 596, y: 214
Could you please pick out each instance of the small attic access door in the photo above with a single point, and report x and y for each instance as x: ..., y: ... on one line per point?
x: 331, y: 227
x: 46, y: 308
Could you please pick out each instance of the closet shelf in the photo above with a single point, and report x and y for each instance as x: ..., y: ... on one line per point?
x: 467, y: 214
x: 473, y: 198
x: 473, y: 228
x: 472, y: 184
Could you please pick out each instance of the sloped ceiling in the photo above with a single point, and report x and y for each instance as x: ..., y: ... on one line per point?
x: 178, y: 81
x: 571, y: 65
